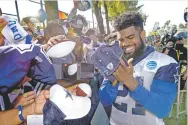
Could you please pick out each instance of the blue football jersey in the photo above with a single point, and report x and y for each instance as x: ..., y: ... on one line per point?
x: 157, y: 75
x: 17, y: 61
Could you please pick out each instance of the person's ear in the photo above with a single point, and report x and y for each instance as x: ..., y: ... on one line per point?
x: 143, y: 34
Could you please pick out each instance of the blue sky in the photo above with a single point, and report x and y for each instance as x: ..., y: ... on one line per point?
x: 158, y: 10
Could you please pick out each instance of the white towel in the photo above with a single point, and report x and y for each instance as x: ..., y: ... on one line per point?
x: 13, y: 32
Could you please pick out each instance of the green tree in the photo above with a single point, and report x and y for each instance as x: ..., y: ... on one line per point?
x: 97, y: 10
x: 52, y: 11
x: 107, y: 18
x: 181, y: 26
x: 113, y: 9
x: 117, y: 7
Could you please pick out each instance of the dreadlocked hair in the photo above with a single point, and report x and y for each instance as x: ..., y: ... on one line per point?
x: 128, y: 19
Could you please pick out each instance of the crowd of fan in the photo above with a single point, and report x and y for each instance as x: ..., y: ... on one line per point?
x: 85, y: 42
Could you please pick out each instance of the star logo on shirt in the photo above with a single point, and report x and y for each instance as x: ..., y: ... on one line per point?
x: 176, y: 76
x: 68, y: 94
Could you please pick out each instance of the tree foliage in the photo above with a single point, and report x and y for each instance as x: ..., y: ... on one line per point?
x: 52, y: 11
x: 118, y: 7
x: 181, y: 26
x: 115, y: 8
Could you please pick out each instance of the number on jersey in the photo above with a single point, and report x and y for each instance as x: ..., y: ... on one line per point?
x: 138, y: 109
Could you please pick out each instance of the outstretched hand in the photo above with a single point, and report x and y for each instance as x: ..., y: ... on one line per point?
x: 25, y: 99
x: 53, y: 41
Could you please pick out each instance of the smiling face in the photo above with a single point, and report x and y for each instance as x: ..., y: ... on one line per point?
x: 130, y: 33
x: 131, y: 40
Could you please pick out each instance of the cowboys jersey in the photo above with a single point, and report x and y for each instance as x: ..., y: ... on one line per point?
x: 130, y: 108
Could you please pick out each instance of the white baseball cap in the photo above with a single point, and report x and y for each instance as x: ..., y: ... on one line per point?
x: 74, y: 107
x: 85, y: 88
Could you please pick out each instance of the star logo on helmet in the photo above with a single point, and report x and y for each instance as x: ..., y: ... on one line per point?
x: 110, y: 66
x: 68, y: 94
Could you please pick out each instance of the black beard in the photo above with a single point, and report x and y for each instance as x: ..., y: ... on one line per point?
x: 138, y: 52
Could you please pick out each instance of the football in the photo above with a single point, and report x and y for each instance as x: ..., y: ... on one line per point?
x: 61, y: 49
x: 72, y: 69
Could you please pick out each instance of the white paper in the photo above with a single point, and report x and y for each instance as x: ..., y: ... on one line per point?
x: 35, y: 120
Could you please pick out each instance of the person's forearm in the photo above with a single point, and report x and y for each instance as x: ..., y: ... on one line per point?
x: 159, y: 100
x: 45, y: 46
x: 28, y: 110
x: 11, y: 117
x: 108, y: 93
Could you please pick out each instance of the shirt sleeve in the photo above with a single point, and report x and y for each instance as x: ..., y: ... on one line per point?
x: 108, y: 93
x: 163, y: 90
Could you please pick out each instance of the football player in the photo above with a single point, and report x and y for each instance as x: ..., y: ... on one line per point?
x: 147, y: 86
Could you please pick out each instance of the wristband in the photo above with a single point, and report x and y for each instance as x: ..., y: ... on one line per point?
x: 20, y: 109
